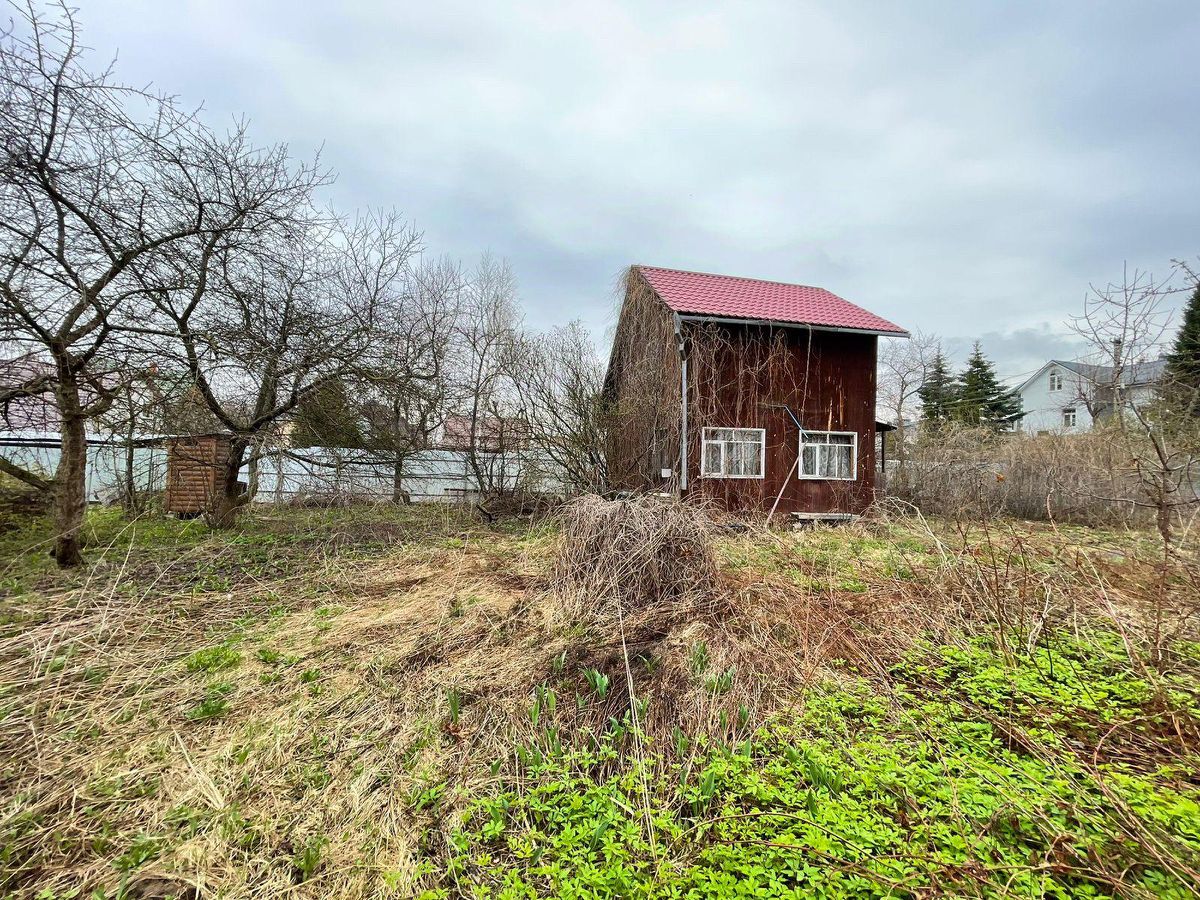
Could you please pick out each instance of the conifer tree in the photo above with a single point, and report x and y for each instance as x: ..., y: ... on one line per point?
x: 327, y: 418
x: 982, y: 400
x: 939, y: 390
x: 1182, y: 377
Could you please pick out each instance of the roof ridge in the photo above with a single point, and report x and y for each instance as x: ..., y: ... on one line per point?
x: 811, y: 287
x: 758, y: 299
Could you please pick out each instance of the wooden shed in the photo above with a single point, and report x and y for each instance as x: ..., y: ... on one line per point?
x: 194, y: 467
x: 755, y: 394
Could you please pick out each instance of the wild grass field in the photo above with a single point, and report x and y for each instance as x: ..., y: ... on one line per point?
x: 375, y: 702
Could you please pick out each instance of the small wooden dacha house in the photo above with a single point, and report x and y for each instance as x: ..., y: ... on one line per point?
x: 754, y: 394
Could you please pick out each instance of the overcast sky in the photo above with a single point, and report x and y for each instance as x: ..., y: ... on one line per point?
x: 962, y: 168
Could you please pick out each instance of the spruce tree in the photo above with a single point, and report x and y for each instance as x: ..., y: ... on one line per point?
x: 1182, y: 377
x: 326, y: 418
x: 982, y: 400
x: 938, y: 391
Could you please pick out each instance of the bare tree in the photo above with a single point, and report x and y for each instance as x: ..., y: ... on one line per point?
x: 275, y: 324
x: 140, y: 412
x: 903, y: 368
x: 559, y: 378
x: 488, y: 325
x: 103, y: 189
x: 1124, y: 323
x: 409, y: 392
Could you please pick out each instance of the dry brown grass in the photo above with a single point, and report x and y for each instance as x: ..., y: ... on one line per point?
x: 326, y: 736
x: 705, y: 648
x: 339, y: 736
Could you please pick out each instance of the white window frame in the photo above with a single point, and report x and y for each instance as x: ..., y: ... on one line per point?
x: 853, y: 476
x: 1073, y: 412
x: 1056, y: 382
x: 705, y: 440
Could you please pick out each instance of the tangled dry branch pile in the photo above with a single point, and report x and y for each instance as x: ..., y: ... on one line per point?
x: 621, y: 557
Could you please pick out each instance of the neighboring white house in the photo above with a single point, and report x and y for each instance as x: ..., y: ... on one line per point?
x: 1069, y: 396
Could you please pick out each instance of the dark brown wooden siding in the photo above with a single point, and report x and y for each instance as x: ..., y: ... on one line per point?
x: 742, y: 376
x: 643, y: 388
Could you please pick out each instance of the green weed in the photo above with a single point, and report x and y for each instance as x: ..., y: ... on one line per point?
x: 215, y: 703
x: 919, y: 792
x: 597, y: 681
x: 213, y: 659
x: 307, y: 858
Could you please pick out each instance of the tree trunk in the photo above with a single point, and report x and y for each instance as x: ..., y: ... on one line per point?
x: 1162, y: 518
x: 132, y: 497
x: 70, y: 479
x: 229, y: 496
x: 130, y: 490
x: 252, y: 476
x: 399, y: 495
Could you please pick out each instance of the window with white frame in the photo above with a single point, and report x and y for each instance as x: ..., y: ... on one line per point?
x: 1056, y: 381
x: 829, y: 454
x: 1069, y: 417
x: 733, y: 452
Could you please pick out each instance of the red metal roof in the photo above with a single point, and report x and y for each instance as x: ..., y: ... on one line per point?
x: 701, y: 294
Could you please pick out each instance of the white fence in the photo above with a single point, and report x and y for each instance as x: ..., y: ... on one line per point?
x: 106, y: 466
x: 431, y: 475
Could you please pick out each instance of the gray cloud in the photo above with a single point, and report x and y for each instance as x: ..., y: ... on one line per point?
x: 965, y: 169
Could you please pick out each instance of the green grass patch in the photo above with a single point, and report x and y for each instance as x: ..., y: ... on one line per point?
x: 213, y: 659
x: 925, y: 789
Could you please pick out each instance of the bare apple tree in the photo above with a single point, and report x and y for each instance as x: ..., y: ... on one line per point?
x: 1124, y: 323
x: 559, y: 378
x: 491, y: 432
x: 102, y: 189
x: 903, y: 368
x: 409, y: 391
x: 275, y: 323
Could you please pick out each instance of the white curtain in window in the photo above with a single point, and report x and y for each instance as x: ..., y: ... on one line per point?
x: 826, y: 454
x: 732, y: 452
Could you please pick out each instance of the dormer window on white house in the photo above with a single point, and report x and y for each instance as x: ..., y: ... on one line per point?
x: 1056, y: 381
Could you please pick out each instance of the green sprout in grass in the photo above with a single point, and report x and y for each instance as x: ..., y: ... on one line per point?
x: 544, y: 700
x: 312, y: 677
x: 454, y: 699
x: 597, y: 681
x: 307, y: 858
x: 213, y: 659
x: 214, y: 703
x: 722, y: 683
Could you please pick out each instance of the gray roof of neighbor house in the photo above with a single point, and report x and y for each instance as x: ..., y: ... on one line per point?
x: 1149, y: 372
x: 1135, y: 373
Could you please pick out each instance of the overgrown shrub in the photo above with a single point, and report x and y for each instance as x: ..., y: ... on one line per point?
x: 1079, y: 478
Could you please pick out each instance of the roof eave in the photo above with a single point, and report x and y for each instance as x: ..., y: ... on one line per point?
x: 730, y: 320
